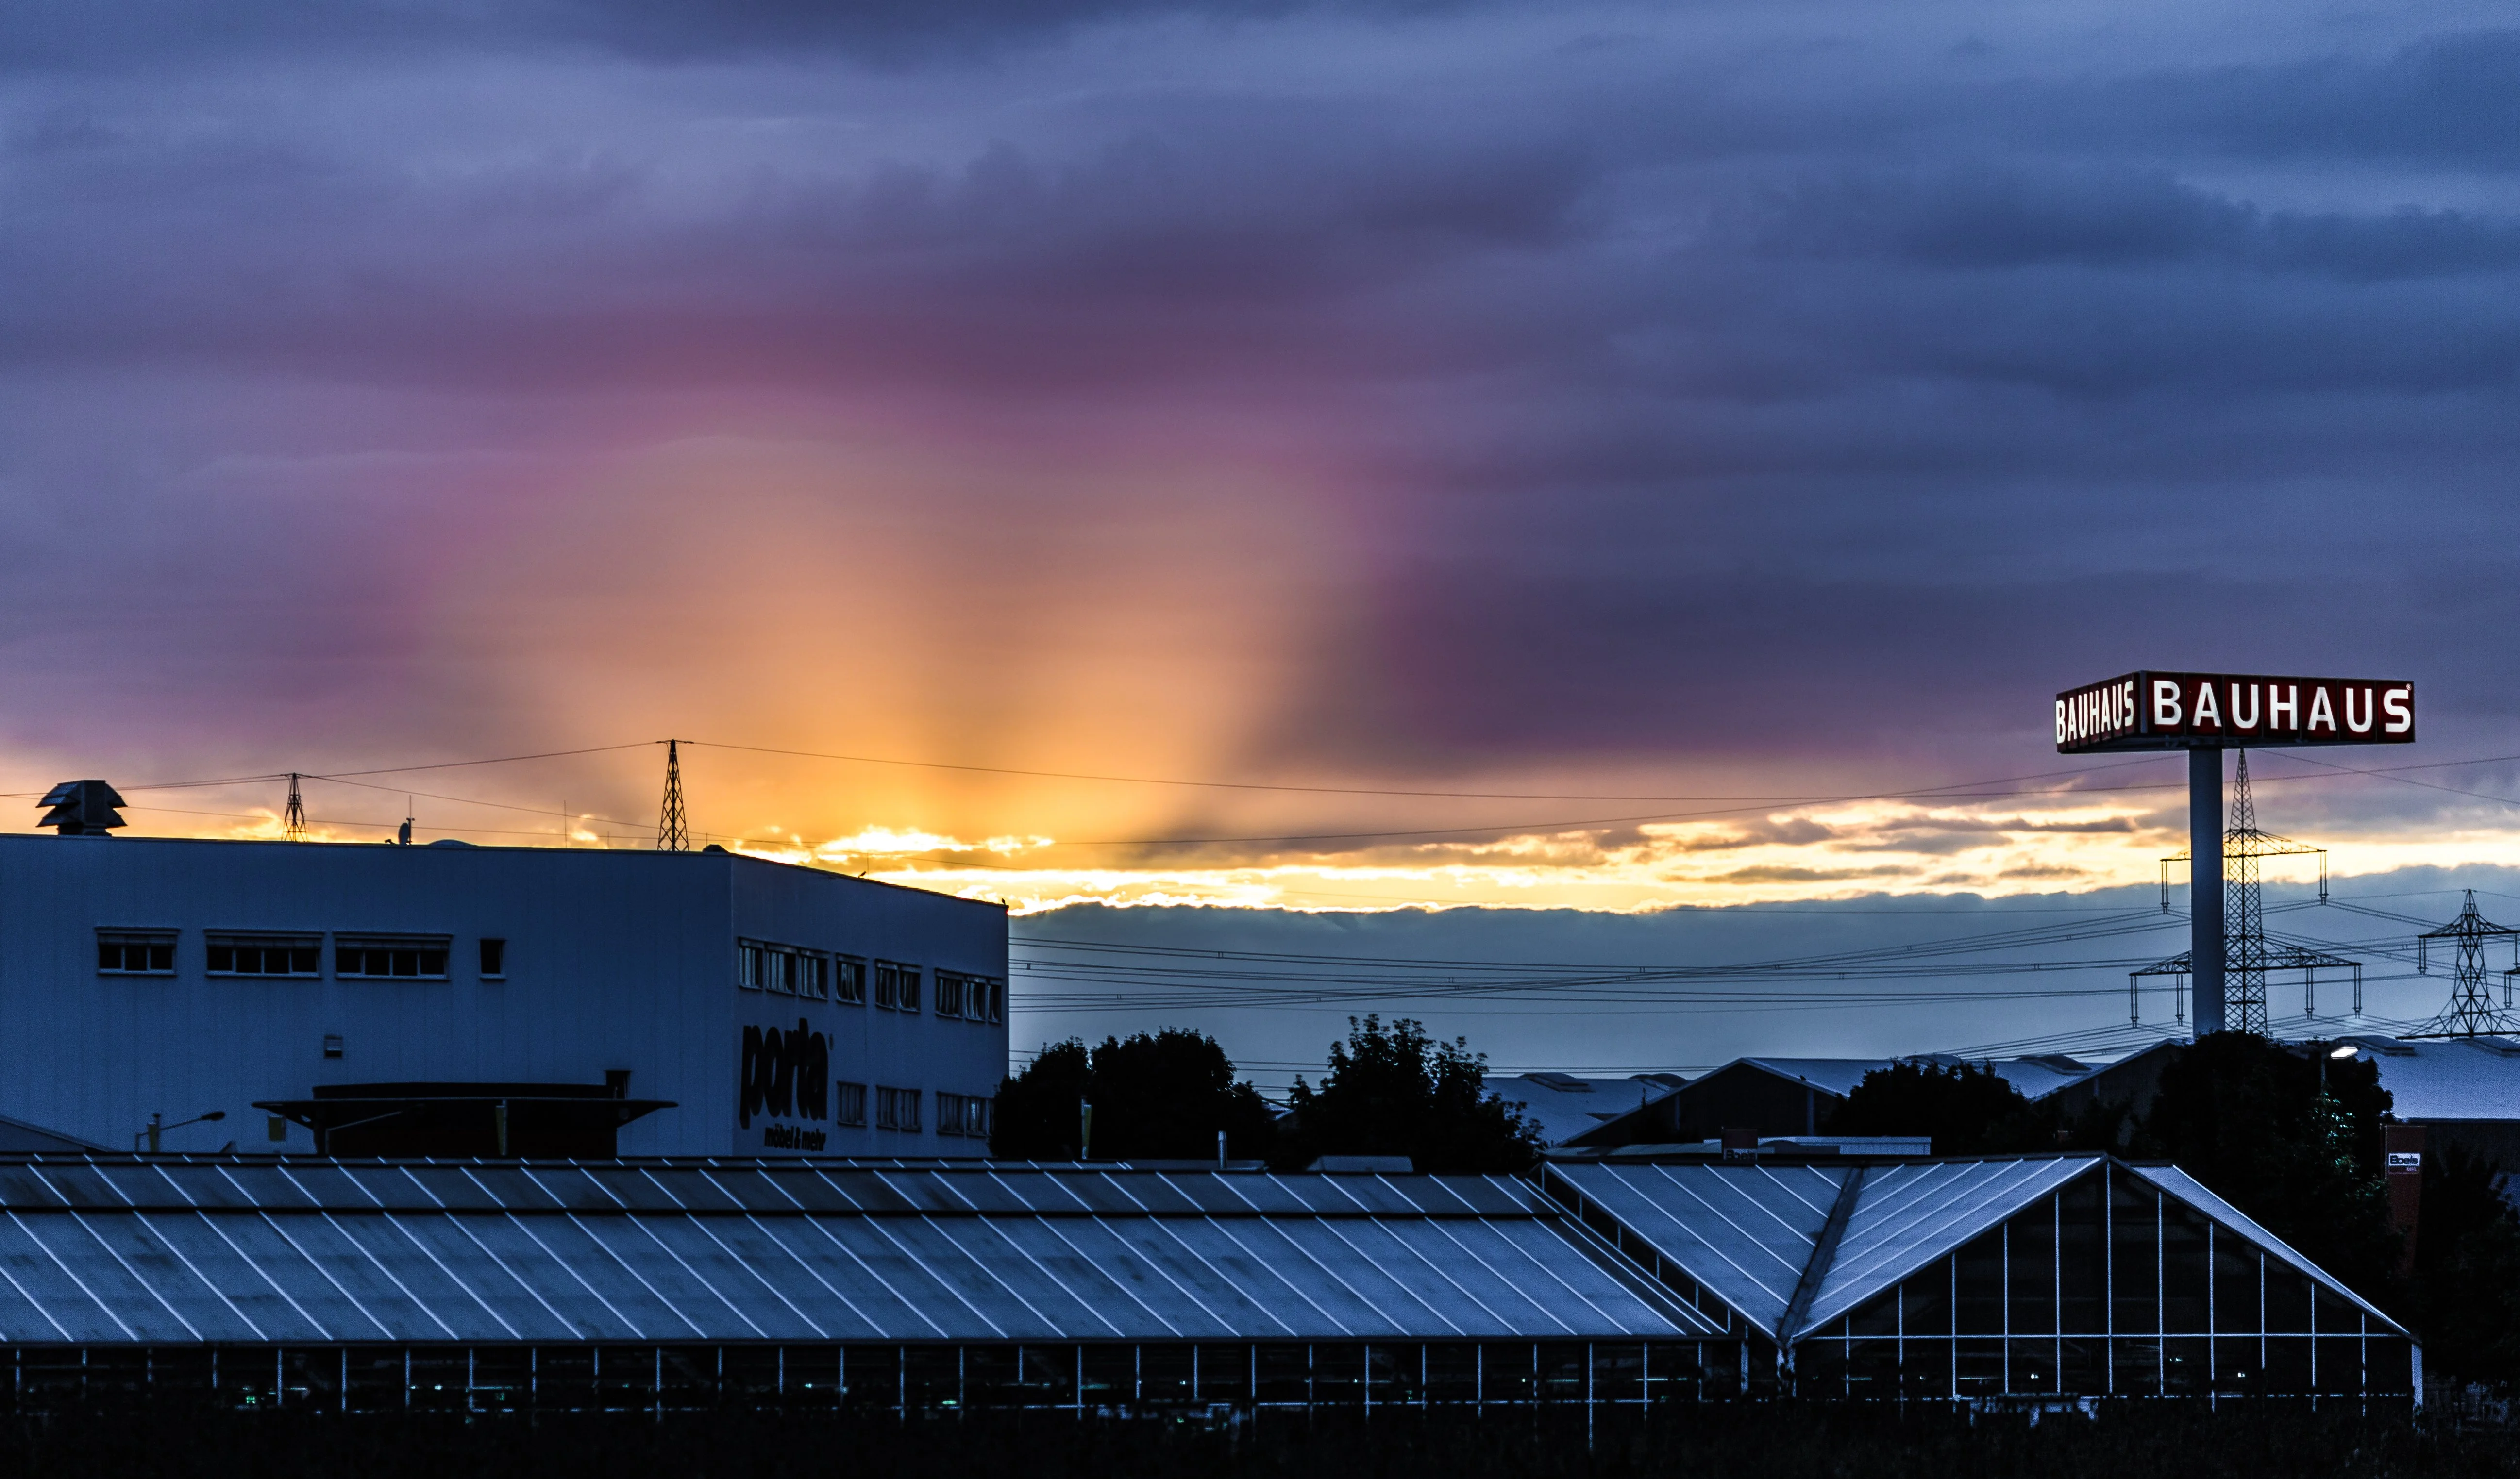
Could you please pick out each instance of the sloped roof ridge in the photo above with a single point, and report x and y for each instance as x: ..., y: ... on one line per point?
x: 1729, y: 1234
x: 2192, y: 1191
x: 1895, y: 1231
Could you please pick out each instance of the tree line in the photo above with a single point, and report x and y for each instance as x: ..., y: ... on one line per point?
x: 1388, y: 1089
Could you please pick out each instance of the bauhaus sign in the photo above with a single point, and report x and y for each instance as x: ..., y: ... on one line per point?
x: 2216, y: 710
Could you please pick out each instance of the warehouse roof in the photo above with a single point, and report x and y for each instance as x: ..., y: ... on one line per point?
x: 258, y: 1249
x: 1565, y: 1105
x: 1696, y: 1107
x: 2447, y: 1077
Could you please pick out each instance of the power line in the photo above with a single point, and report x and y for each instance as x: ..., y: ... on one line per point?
x: 1364, y: 791
x: 2385, y: 775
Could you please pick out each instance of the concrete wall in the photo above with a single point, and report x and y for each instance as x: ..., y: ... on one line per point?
x: 614, y: 959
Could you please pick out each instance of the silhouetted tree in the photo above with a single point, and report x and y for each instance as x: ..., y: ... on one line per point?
x: 1155, y: 1096
x: 2250, y: 1119
x: 1394, y: 1090
x: 1037, y: 1110
x: 1968, y: 1110
x: 2467, y: 1296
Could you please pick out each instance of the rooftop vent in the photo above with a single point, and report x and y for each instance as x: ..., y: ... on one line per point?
x: 82, y: 809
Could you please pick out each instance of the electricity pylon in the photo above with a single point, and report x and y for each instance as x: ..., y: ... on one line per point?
x: 2246, y: 954
x: 2471, y: 1012
x: 673, y: 830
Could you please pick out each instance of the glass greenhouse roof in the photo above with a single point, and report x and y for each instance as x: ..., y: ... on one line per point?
x: 107, y: 1250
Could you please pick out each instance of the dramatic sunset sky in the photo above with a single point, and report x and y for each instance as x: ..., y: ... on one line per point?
x: 1585, y: 457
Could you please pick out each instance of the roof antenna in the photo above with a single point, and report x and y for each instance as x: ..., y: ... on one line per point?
x: 673, y: 830
x: 402, y: 834
x: 292, y: 822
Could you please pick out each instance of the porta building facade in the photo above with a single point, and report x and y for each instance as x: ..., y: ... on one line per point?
x: 449, y: 998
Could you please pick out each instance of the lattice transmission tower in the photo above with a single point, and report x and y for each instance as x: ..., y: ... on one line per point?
x: 673, y: 828
x: 2471, y: 1012
x: 2247, y: 957
x: 292, y: 819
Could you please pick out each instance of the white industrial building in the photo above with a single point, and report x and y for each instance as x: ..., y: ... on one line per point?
x: 456, y: 1000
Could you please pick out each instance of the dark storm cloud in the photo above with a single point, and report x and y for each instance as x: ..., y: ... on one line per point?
x: 1026, y: 272
x: 93, y: 35
x: 2450, y: 98
x: 2114, y: 219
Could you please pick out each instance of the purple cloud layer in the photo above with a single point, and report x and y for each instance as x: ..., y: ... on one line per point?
x: 1657, y: 386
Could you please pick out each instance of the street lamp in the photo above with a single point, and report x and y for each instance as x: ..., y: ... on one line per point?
x: 2336, y: 1055
x: 157, y: 1127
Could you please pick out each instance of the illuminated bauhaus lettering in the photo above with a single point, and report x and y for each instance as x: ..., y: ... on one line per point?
x: 2210, y: 710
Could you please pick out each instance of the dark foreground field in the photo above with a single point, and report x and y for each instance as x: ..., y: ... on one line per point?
x: 2261, y: 1442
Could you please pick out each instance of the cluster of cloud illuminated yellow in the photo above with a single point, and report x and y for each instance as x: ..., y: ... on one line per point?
x: 1834, y: 852
x: 2064, y: 843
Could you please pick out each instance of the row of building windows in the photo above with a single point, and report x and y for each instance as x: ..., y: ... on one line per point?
x: 1083, y: 1378
x: 958, y: 1114
x: 231, y: 952
x: 817, y: 975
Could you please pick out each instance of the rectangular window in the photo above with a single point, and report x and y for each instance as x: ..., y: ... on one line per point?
x: 788, y: 970
x: 2236, y: 1286
x: 849, y: 1103
x: 2030, y: 1278
x: 265, y: 955
x: 1977, y: 1291
x: 494, y: 960
x: 896, y: 1109
x: 971, y: 998
x: 2186, y: 1278
x: 896, y: 986
x: 135, y: 952
x: 2134, y: 1257
x: 2081, y: 1258
x: 848, y: 980
x: 963, y: 1114
x: 410, y: 957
